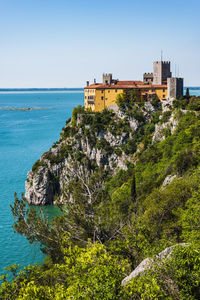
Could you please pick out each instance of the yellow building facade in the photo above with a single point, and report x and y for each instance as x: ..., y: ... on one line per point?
x: 97, y: 97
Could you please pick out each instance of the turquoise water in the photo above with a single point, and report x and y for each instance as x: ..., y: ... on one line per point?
x: 194, y: 91
x: 24, y: 136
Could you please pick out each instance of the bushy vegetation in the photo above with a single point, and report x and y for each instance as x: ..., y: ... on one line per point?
x: 118, y: 220
x: 38, y: 164
x: 176, y: 278
x: 188, y: 103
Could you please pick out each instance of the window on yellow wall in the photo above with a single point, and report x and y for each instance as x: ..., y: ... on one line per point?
x: 108, y: 91
x: 102, y: 91
x: 102, y: 98
x: 115, y: 91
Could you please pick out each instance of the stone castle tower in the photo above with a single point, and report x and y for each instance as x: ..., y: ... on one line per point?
x: 107, y: 78
x: 161, y: 71
x: 174, y: 87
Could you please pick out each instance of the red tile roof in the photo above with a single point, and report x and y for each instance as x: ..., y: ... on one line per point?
x: 129, y: 82
x: 125, y: 85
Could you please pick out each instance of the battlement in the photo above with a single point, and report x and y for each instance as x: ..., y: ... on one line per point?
x: 163, y: 62
x: 148, y: 78
x: 107, y: 78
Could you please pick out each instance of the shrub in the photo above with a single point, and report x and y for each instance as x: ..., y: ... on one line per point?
x: 184, y: 160
x: 130, y: 147
x: 194, y: 104
x: 156, y: 102
x: 37, y: 164
x: 75, y: 112
x: 104, y: 145
x: 118, y: 151
x: 165, y: 116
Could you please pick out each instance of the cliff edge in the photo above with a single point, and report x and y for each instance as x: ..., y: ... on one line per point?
x: 89, y: 141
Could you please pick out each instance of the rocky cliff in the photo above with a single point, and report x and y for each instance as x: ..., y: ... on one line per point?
x: 104, y: 140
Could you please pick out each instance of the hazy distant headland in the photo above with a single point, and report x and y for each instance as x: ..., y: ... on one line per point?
x: 5, y: 108
x: 193, y: 87
x: 39, y: 90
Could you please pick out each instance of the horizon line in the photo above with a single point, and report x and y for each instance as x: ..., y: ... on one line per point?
x: 35, y: 88
x: 68, y: 88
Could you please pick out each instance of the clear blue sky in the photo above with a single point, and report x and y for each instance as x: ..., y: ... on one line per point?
x: 63, y: 43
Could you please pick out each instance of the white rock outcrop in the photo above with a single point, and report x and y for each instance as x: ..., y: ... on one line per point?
x: 168, y: 180
x: 148, y: 263
x: 171, y: 124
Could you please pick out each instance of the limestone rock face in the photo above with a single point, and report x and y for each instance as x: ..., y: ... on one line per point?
x: 167, y: 104
x: 148, y: 263
x: 40, y: 189
x: 50, y: 179
x: 159, y: 133
x: 103, y: 147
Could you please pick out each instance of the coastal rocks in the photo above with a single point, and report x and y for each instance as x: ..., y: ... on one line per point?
x: 41, y: 187
x: 52, y: 174
x: 148, y: 263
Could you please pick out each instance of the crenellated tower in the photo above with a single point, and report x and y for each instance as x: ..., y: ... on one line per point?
x: 161, y: 71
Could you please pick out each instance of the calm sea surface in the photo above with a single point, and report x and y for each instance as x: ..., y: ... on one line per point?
x: 24, y: 136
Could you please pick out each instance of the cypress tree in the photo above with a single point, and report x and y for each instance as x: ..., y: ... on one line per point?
x: 187, y: 93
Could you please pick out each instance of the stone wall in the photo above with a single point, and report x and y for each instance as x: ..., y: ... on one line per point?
x: 175, y: 87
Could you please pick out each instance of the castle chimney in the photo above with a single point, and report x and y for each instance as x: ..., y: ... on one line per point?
x: 87, y: 83
x: 95, y: 81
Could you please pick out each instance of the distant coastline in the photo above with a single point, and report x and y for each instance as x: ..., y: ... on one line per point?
x: 193, y: 87
x: 40, y: 90
x: 57, y: 90
x: 5, y: 108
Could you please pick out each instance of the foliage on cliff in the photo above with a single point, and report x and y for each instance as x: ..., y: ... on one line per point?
x: 117, y: 219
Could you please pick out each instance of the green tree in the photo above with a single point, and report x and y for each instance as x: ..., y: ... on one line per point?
x: 187, y: 95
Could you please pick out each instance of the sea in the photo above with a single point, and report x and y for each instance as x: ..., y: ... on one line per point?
x: 24, y: 136
x: 30, y: 122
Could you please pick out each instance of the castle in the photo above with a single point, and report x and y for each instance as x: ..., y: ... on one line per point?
x: 99, y: 96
